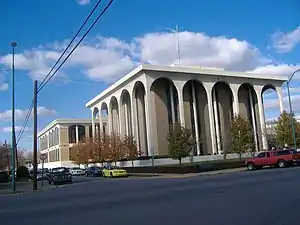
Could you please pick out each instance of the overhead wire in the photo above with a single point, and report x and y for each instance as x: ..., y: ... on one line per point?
x: 24, y: 125
x: 48, y: 77
x: 72, y: 40
x: 79, y: 42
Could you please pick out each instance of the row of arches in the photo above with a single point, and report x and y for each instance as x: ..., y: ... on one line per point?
x: 165, y: 109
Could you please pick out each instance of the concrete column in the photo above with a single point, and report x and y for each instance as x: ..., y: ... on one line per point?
x: 211, y: 121
x: 148, y: 121
x: 110, y: 128
x: 236, y: 108
x: 181, y: 107
x: 253, y: 118
x: 262, y: 121
x: 134, y: 123
x: 216, y: 121
x: 280, y: 96
x: 126, y: 119
x: 93, y: 124
x: 100, y: 121
x: 172, y: 103
x: 195, y: 117
x: 77, y: 134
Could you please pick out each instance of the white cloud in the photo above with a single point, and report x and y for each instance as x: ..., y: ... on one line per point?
x: 277, y: 70
x: 21, y: 114
x: 3, y: 87
x: 107, y: 59
x: 17, y: 129
x: 285, y: 42
x: 83, y: 2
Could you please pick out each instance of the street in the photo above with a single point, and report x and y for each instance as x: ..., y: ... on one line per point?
x: 269, y: 196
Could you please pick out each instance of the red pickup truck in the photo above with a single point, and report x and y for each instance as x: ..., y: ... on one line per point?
x: 279, y: 158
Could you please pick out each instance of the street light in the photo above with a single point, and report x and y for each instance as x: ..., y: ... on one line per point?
x: 291, y: 108
x: 13, y: 155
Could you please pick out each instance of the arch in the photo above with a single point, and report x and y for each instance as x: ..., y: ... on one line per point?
x: 114, y: 113
x: 126, y: 123
x: 268, y: 87
x: 72, y: 134
x: 223, y: 112
x: 196, y: 115
x: 138, y: 96
x: 104, y: 116
x: 165, y: 107
x: 272, y: 103
x: 248, y: 109
x: 81, y: 132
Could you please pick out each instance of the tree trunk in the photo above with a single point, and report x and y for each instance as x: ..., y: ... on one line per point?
x: 180, y: 162
x: 132, y: 163
x: 240, y: 156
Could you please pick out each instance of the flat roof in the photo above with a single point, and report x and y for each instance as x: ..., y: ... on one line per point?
x: 183, y: 69
x: 63, y: 121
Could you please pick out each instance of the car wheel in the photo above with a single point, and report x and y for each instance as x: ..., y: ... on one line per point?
x: 281, y: 163
x: 250, y: 166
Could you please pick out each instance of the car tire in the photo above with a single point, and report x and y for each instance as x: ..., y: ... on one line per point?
x: 281, y: 163
x: 250, y: 166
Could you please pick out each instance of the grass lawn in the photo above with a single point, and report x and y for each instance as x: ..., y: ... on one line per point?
x: 206, y: 162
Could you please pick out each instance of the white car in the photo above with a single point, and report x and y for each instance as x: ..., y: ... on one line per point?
x: 77, y: 172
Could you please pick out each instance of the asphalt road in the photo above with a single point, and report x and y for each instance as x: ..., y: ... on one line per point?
x: 248, y: 198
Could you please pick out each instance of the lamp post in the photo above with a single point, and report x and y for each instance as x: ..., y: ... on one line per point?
x: 291, y: 108
x: 13, y: 155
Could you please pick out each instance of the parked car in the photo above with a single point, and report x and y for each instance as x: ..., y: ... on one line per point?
x: 60, y: 175
x: 278, y: 158
x: 93, y: 171
x: 114, y: 171
x: 76, y: 171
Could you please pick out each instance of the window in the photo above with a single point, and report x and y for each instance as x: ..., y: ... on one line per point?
x: 72, y: 134
x: 261, y: 155
x: 284, y: 152
x: 81, y: 132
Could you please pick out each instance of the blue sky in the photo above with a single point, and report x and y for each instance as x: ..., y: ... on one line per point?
x: 252, y: 36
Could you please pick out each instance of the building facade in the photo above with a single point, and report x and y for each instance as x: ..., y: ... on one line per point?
x: 149, y: 99
x: 59, y: 136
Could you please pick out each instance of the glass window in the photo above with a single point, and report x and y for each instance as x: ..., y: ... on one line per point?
x: 261, y: 155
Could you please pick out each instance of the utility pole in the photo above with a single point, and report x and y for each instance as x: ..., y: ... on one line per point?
x: 35, y: 135
x: 13, y: 154
x: 7, y: 158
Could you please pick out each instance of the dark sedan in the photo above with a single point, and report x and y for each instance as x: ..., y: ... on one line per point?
x: 60, y: 175
x: 93, y: 171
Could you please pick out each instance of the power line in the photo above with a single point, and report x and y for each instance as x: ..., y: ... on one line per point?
x: 76, y: 80
x: 81, y: 39
x: 45, y: 81
x: 24, y: 125
x: 71, y: 42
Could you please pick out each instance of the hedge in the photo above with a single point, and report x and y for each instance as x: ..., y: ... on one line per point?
x: 4, y: 177
x: 189, y: 168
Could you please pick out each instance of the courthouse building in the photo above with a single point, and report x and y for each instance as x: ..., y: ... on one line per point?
x: 57, y: 138
x: 148, y: 99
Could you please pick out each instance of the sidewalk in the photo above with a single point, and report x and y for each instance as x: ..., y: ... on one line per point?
x: 208, y: 173
x: 21, y: 187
